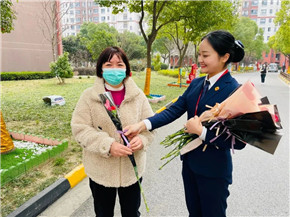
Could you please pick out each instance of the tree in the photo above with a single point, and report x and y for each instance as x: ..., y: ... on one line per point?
x: 281, y: 40
x: 49, y: 24
x: 196, y: 21
x: 7, y: 16
x: 132, y: 44
x: 61, y: 68
x: 96, y: 37
x: 159, y: 13
x: 78, y: 53
x: 247, y: 31
x: 164, y: 46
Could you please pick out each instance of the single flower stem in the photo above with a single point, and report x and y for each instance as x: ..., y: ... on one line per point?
x: 141, y: 189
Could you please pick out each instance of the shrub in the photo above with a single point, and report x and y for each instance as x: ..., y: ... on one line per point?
x: 137, y: 65
x: 62, y: 68
x: 9, y: 76
x: 85, y: 71
x: 164, y: 66
x: 172, y: 73
x: 157, y: 62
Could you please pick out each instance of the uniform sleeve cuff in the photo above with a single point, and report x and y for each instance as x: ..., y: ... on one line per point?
x: 147, y: 124
x: 203, y: 134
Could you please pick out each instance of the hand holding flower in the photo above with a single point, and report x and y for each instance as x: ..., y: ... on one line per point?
x: 193, y: 126
x: 134, y: 129
x: 136, y: 143
x: 119, y: 150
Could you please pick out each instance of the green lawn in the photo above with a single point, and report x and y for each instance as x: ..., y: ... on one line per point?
x: 24, y: 110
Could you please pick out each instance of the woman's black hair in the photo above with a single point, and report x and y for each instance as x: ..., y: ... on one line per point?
x: 224, y: 42
x: 107, y: 55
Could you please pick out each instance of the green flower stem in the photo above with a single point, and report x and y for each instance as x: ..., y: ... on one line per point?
x: 141, y: 189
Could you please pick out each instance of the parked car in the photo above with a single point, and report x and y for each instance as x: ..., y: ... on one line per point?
x: 273, y: 67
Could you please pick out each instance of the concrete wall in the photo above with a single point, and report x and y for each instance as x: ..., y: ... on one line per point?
x: 26, y: 48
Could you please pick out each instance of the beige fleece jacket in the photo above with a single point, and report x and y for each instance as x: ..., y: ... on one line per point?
x: 95, y: 132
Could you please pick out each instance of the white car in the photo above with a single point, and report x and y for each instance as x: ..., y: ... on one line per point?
x: 273, y: 67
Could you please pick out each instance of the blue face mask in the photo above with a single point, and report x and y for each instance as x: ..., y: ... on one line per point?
x: 114, y: 76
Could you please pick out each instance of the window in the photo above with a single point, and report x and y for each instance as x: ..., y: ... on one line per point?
x: 268, y: 38
x: 262, y: 21
x: 103, y: 18
x: 96, y: 11
x: 254, y: 12
x: 78, y: 12
x: 84, y: 4
x: 72, y: 20
x: 77, y: 4
x: 266, y: 55
x: 131, y: 27
x: 271, y: 11
x: 264, y: 2
x: 245, y: 13
x: 103, y: 10
x: 71, y: 12
x: 108, y: 17
x: 271, y: 2
x: 84, y: 19
x: 72, y: 27
x: 125, y: 25
x: 277, y: 57
x: 78, y: 27
x: 264, y: 11
x: 71, y: 5
x: 269, y: 29
x: 270, y: 20
x: 96, y: 19
x: 84, y: 11
x: 125, y: 16
x: 246, y: 4
x: 255, y: 3
x: 108, y: 9
x: 78, y: 19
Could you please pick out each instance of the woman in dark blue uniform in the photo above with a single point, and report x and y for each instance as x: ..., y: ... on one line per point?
x: 207, y: 170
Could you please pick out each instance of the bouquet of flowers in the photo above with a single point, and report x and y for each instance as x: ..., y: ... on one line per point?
x: 244, y: 115
x: 112, y: 110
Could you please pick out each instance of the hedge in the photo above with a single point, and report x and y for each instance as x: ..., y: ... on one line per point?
x: 9, y: 76
x: 170, y: 72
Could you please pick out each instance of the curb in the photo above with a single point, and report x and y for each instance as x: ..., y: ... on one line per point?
x: 287, y: 81
x: 48, y: 196
x: 37, y: 204
x: 40, y: 202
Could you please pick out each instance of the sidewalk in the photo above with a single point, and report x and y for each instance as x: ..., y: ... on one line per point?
x: 70, y: 201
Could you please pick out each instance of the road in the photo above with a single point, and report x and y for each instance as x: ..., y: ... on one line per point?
x: 260, y: 180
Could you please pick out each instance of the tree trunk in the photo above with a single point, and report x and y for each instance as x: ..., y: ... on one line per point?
x: 148, y: 69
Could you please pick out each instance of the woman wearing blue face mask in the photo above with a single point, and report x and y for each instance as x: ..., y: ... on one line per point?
x: 104, y: 155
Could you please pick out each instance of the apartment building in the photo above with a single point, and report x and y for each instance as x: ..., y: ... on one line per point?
x: 263, y: 12
x: 75, y: 12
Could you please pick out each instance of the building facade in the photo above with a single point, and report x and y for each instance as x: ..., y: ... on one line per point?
x: 263, y: 12
x: 28, y: 46
x: 76, y: 12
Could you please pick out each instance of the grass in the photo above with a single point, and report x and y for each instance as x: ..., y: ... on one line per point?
x: 21, y: 154
x: 24, y: 110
